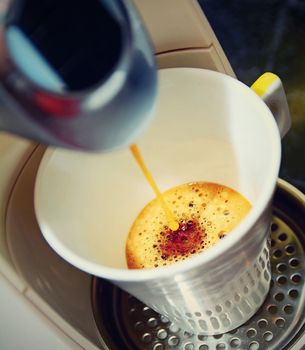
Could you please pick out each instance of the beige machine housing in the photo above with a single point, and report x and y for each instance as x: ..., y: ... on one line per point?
x: 182, y: 35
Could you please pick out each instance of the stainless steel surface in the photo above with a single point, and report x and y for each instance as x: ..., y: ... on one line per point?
x: 3, y: 9
x: 124, y: 322
x: 83, y: 95
x: 234, y: 287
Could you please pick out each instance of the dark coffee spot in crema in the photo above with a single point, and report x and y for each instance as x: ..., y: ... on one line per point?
x: 187, y: 239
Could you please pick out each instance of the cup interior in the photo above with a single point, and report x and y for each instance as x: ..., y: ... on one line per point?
x: 207, y: 127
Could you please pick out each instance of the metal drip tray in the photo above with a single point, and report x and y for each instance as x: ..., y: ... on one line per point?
x: 125, y: 323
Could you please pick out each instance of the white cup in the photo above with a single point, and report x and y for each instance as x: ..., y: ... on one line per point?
x: 208, y: 127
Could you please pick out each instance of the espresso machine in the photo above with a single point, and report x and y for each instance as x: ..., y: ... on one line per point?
x: 48, y: 303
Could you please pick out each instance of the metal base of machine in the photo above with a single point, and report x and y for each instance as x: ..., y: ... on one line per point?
x: 126, y: 323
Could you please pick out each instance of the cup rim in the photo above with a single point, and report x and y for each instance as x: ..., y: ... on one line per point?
x: 140, y: 275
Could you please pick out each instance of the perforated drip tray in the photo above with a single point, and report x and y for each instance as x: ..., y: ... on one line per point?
x: 125, y: 323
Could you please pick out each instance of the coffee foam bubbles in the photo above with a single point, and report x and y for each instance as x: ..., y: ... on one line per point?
x: 206, y: 212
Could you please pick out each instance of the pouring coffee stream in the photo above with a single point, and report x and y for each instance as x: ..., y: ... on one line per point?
x: 172, y: 222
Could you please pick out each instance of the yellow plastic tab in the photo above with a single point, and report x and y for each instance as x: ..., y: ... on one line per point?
x: 261, y: 85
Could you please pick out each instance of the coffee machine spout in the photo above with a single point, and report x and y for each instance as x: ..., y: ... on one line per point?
x: 76, y: 75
